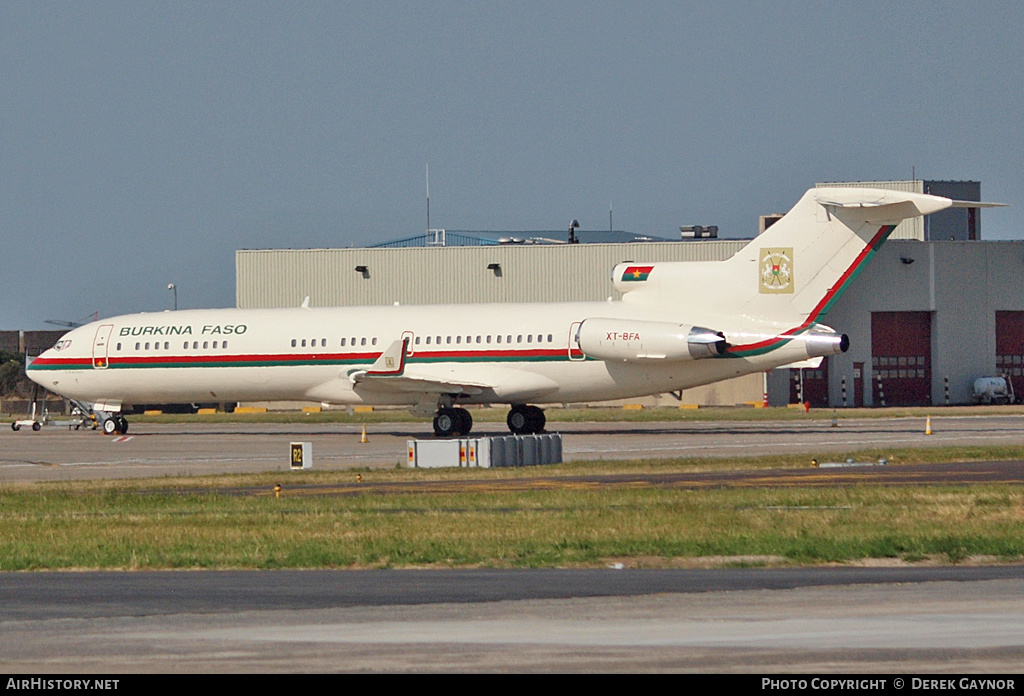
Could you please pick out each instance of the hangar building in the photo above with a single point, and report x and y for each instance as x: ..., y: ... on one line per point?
x: 936, y: 309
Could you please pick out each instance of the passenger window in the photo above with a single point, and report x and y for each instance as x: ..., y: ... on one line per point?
x: 549, y: 338
x: 374, y: 341
x: 362, y: 341
x: 448, y: 340
x: 136, y: 346
x: 167, y: 345
x: 206, y: 344
x: 488, y: 338
x: 529, y: 338
x: 499, y: 338
x: 477, y: 339
x: 303, y: 343
x: 215, y: 345
x: 343, y: 343
x: 458, y: 339
x: 519, y: 338
x: 428, y: 340
x: 508, y: 339
x: 293, y: 343
x: 195, y: 345
x: 417, y: 340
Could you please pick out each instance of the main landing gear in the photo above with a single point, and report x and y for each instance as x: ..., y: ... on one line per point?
x: 455, y: 422
x: 526, y: 420
x: 452, y: 422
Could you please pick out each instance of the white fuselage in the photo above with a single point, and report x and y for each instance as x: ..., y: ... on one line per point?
x: 504, y: 353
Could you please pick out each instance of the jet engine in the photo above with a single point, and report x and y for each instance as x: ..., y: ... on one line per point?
x: 822, y: 341
x: 631, y: 340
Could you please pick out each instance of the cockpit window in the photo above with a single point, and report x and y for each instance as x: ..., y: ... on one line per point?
x: 62, y: 344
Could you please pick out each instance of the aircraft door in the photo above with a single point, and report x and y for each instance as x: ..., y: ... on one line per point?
x: 573, y: 348
x: 409, y: 347
x: 100, y: 346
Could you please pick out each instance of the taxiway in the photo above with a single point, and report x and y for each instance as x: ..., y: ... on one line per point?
x: 56, y: 453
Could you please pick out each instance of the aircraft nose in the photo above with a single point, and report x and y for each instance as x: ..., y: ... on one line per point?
x: 33, y: 374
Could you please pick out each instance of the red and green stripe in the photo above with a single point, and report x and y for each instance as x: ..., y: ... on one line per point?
x: 747, y: 350
x: 296, y: 359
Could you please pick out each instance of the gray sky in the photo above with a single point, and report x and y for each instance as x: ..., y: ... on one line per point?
x: 142, y: 143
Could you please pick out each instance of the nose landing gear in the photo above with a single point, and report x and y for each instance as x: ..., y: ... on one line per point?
x: 115, y: 425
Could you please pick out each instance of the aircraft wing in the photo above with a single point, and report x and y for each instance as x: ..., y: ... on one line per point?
x: 390, y: 373
x: 366, y: 379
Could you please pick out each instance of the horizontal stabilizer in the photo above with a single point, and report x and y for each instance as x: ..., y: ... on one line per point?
x: 880, y: 205
x: 977, y: 204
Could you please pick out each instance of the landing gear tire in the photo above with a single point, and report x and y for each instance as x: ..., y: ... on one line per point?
x: 526, y: 420
x: 450, y: 422
x: 37, y: 426
x: 465, y: 421
x: 444, y: 422
x: 15, y: 427
x: 110, y: 426
x: 122, y: 424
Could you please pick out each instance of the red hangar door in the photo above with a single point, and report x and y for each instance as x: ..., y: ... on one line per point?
x: 901, y: 358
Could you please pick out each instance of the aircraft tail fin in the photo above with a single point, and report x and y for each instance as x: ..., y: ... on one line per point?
x: 793, y: 272
x: 802, y: 264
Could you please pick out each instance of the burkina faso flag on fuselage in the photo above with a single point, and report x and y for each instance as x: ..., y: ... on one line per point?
x: 633, y: 273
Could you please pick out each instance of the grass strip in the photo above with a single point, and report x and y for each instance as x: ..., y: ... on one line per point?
x: 196, y: 523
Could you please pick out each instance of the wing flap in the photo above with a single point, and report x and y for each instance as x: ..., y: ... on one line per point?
x: 414, y: 385
x: 391, y: 373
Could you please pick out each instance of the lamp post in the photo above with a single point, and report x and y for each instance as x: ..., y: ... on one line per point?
x: 172, y: 286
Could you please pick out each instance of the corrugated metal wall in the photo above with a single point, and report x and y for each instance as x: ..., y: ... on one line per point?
x: 525, y: 273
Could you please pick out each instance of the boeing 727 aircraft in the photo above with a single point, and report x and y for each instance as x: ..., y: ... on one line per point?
x: 677, y: 326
